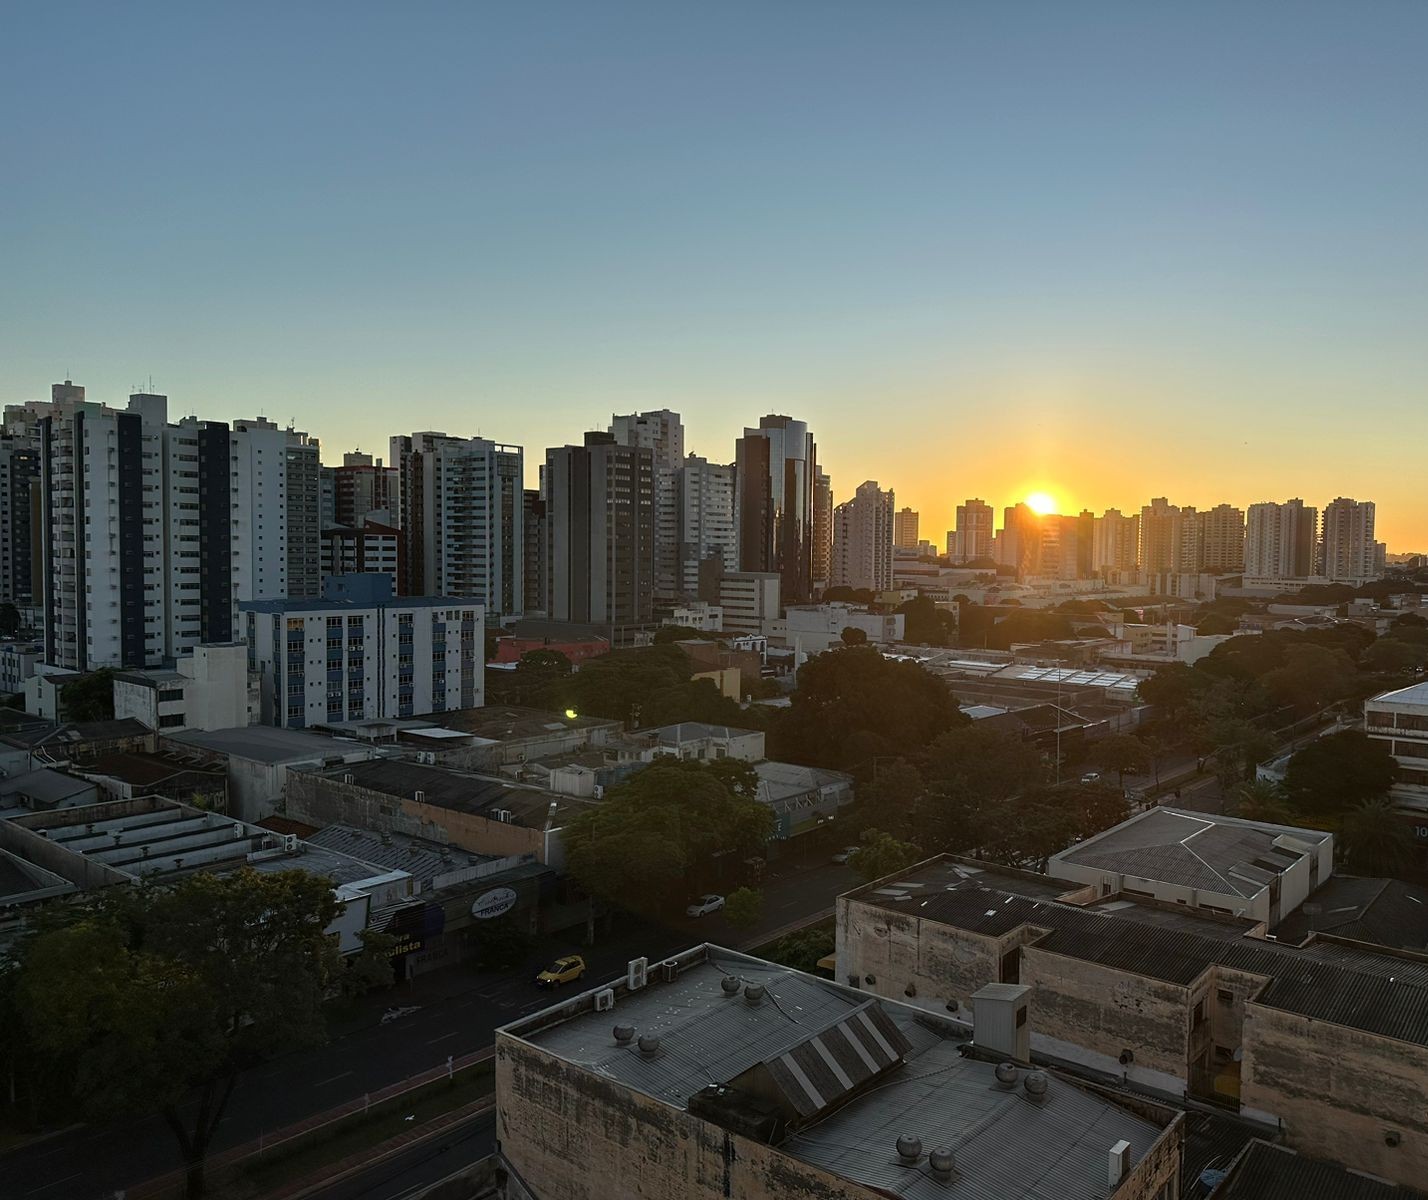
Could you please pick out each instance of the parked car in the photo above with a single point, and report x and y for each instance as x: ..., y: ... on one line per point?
x: 702, y: 905
x: 1091, y: 777
x: 844, y: 854
x: 561, y: 971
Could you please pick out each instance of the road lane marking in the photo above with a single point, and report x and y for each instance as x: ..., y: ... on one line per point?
x: 56, y: 1183
x: 444, y: 1036
x: 334, y: 1079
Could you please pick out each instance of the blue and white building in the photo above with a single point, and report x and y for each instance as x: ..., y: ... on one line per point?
x: 360, y: 653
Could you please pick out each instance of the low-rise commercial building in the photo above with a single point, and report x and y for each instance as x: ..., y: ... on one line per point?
x: 814, y: 628
x: 1328, y: 1040
x: 729, y: 1076
x: 802, y: 798
x: 1206, y: 861
x: 701, y: 742
x: 208, y: 688
x: 18, y: 660
x: 1399, y: 720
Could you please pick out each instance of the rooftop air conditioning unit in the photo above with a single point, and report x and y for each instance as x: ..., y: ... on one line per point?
x: 419, y: 796
x: 290, y: 842
x: 637, y: 974
x: 604, y: 999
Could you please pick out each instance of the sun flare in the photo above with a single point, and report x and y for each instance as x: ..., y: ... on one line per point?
x: 1041, y: 503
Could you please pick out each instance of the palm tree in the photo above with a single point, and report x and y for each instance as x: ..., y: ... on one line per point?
x: 1373, y: 838
x: 1263, y: 800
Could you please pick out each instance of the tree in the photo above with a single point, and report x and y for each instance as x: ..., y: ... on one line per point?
x: 1121, y: 753
x: 1172, y: 688
x: 1375, y: 838
x: 1215, y: 623
x: 1393, y: 654
x: 1030, y: 829
x: 694, y: 700
x: 1311, y: 677
x: 1338, y: 772
x: 982, y: 765
x: 640, y: 846
x: 853, y: 636
x: 882, y: 854
x: 891, y: 798
x: 803, y: 950
x: 142, y: 999
x: 90, y: 697
x: 744, y: 908
x: 9, y: 620
x: 1239, y: 746
x: 501, y: 944
x: 926, y: 624
x: 1263, y: 800
x: 371, y: 967
x: 618, y: 685
x: 855, y: 706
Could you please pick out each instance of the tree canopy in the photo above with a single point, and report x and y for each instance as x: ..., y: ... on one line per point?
x: 882, y: 854
x: 852, y: 706
x: 926, y: 624
x: 155, y: 998
x: 667, y: 822
x: 89, y: 698
x: 1336, y: 773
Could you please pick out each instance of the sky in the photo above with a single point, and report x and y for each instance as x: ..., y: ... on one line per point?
x: 1107, y: 251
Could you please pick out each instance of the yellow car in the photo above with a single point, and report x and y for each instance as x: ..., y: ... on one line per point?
x: 562, y: 970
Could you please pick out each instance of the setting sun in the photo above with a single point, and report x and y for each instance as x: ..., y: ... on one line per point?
x: 1041, y: 503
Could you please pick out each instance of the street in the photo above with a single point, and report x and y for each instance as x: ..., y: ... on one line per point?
x: 453, y: 1012
x: 418, y: 1166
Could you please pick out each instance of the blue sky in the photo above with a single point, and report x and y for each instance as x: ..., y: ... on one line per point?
x: 1103, y: 250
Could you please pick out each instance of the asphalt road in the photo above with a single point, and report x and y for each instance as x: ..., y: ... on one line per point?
x: 418, y: 1166
x: 454, y: 1012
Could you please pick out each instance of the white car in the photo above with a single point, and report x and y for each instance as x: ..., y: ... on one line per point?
x: 1091, y: 777
x: 844, y: 855
x: 702, y: 905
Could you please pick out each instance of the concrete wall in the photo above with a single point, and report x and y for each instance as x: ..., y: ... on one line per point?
x: 573, y: 1135
x: 1339, y: 1092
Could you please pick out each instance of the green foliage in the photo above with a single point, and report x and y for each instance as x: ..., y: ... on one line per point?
x: 1374, y: 838
x: 847, y: 595
x: 639, y: 847
x: 1310, y: 677
x: 882, y: 854
x: 136, y: 1000
x: 694, y: 700
x: 854, y: 706
x: 926, y: 624
x: 619, y: 685
x: 1172, y: 689
x: 552, y: 663
x: 9, y: 620
x: 371, y: 967
x: 1028, y: 829
x: 1216, y: 623
x: 1395, y: 654
x: 744, y: 908
x: 1337, y: 773
x: 803, y: 950
x: 501, y: 944
x: 738, y: 776
x: 681, y: 633
x: 1121, y: 753
x: 1029, y: 625
x: 90, y: 698
x: 1263, y: 800
x: 853, y: 636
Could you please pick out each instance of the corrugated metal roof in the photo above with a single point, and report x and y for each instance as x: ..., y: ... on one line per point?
x: 820, y: 1071
x: 1267, y: 1172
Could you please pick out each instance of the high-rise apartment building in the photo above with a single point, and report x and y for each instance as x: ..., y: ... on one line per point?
x: 21, y: 563
x: 777, y: 469
x: 1116, y: 542
x: 1281, y: 540
x: 1064, y: 550
x: 600, y: 532
x: 662, y: 433
x: 533, y: 510
x: 1020, y: 543
x: 461, y: 517
x: 822, y: 554
x: 1348, y: 552
x: 1220, y: 540
x: 905, y: 529
x: 706, y: 521
x: 304, y: 514
x: 975, y: 531
x: 361, y: 487
x: 863, y: 539
x: 1160, y: 536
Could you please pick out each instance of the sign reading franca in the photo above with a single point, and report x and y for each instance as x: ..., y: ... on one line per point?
x: 495, y: 903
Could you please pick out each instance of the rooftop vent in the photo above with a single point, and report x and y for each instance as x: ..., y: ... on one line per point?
x: 649, y: 1044
x: 624, y: 1035
x: 1007, y: 1075
x: 1117, y: 1164
x: 730, y: 985
x: 1035, y: 1084
x: 909, y: 1149
x: 754, y: 995
x: 942, y: 1161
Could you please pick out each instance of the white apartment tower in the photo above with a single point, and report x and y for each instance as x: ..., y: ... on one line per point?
x: 1281, y: 540
x: 462, y: 519
x: 905, y: 529
x: 1220, y: 540
x: 662, y: 433
x: 863, y: 540
x: 1348, y: 551
x: 706, y: 521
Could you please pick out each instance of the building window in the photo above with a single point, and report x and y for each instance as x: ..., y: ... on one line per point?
x: 171, y: 720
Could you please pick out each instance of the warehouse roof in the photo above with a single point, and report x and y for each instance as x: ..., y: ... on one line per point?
x: 848, y: 1074
x: 264, y: 743
x: 1206, y: 852
x: 1382, y: 993
x: 1387, y: 912
x: 1268, y: 1172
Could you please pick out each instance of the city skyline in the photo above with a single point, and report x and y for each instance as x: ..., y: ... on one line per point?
x: 981, y: 270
